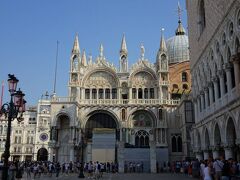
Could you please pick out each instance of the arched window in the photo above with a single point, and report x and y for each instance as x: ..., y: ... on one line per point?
x: 123, y: 114
x: 146, y: 93
x: 202, y: 19
x: 185, y: 86
x: 107, y: 94
x: 184, y: 77
x: 151, y: 93
x: 87, y: 93
x: 100, y: 93
x: 179, y: 144
x: 175, y: 86
x: 230, y: 29
x: 231, y: 68
x: 142, y: 139
x: 94, y: 94
x: 75, y: 63
x: 140, y: 93
x: 134, y: 93
x: 174, y: 144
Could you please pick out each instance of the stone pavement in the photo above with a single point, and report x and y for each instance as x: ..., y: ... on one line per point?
x: 121, y: 176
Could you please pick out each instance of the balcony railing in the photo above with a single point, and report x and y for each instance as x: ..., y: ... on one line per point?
x: 116, y: 101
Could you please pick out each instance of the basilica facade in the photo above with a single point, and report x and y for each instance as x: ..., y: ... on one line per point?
x: 121, y: 114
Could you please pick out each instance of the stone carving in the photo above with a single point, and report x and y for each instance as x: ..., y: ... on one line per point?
x: 101, y: 79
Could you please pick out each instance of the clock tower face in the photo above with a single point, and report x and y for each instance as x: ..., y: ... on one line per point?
x: 43, y: 137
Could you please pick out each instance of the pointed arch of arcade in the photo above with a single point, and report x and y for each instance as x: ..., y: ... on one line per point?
x: 230, y: 131
x: 146, y: 112
x: 198, y: 140
x: 217, y: 140
x: 206, y: 138
x: 100, y: 119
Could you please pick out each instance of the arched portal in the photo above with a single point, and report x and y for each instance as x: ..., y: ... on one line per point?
x: 42, y: 154
x: 101, y: 133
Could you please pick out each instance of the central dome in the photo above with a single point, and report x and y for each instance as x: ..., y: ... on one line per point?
x: 177, y: 46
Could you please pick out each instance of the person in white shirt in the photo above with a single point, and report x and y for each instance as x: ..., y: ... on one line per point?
x: 218, y: 165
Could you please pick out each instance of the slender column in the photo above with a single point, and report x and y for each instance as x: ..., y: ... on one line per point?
x: 148, y: 93
x: 229, y: 77
x: 205, y: 155
x: 206, y: 95
x: 110, y: 93
x: 222, y: 86
x: 199, y: 104
x: 215, y: 154
x: 90, y: 93
x: 195, y: 107
x: 216, y: 91
x: 236, y: 65
x: 210, y: 93
x: 104, y: 93
x: 155, y: 93
x: 199, y: 156
x: 97, y: 93
x: 202, y: 100
x: 228, y: 152
x: 130, y: 93
x: 136, y: 93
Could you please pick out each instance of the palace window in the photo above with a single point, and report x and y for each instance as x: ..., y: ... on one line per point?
x: 134, y: 93
x: 140, y: 93
x: 185, y: 86
x: 87, y: 93
x: 146, y: 93
x: 151, y: 93
x: 184, y: 77
x: 202, y: 19
x: 107, y: 94
x: 176, y: 143
x: 114, y: 93
x: 100, y: 92
x: 94, y: 94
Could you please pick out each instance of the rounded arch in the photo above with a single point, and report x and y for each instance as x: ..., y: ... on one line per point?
x: 147, y: 71
x: 61, y: 113
x: 142, y: 118
x: 100, y: 119
x: 217, y: 140
x: 105, y: 70
x: 42, y: 154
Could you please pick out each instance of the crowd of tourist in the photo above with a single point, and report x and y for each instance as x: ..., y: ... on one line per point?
x: 35, y: 169
x: 210, y: 169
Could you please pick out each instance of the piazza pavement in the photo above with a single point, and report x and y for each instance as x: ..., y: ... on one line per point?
x: 120, y: 176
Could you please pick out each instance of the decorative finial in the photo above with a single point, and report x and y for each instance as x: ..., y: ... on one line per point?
x: 163, y: 47
x: 90, y: 58
x: 142, y: 51
x: 101, y: 50
x: 179, y: 10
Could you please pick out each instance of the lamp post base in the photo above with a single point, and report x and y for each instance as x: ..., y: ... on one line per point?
x: 81, y: 175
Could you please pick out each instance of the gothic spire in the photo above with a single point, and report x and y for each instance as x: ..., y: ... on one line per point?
x: 163, y: 47
x: 76, y: 48
x: 84, y: 58
x: 123, y: 49
x: 142, y: 51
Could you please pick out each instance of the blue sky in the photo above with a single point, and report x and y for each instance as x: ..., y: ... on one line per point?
x: 30, y: 29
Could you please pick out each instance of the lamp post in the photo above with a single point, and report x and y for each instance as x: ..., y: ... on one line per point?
x: 12, y: 110
x: 80, y: 145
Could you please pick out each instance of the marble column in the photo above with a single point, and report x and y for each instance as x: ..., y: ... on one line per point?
x: 130, y: 93
x: 199, y: 156
x: 71, y: 157
x: 210, y: 93
x: 195, y: 108
x: 215, y: 153
x: 202, y: 101
x: 236, y: 65
x: 50, y: 154
x: 90, y: 96
x: 199, y: 105
x: 229, y: 77
x: 205, y: 155
x: 222, y: 83
x: 228, y: 152
x: 206, y: 97
x: 216, y: 90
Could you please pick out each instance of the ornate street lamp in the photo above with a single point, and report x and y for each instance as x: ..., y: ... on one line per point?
x: 78, y: 146
x: 14, y: 109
